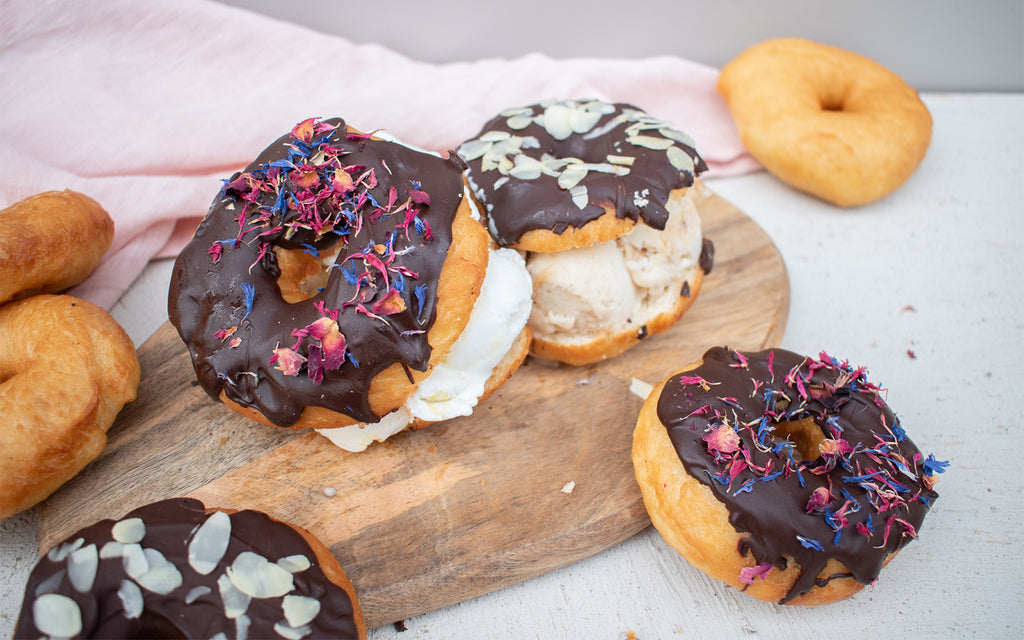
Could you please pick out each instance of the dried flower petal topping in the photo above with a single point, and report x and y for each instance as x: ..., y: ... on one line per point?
x: 857, y: 492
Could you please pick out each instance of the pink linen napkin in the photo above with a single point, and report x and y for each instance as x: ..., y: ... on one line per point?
x: 145, y: 106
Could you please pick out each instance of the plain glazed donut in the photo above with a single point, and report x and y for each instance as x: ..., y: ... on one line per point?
x: 331, y: 277
x: 174, y: 569
x: 50, y: 242
x: 784, y: 476
x: 826, y: 121
x: 598, y: 196
x: 66, y: 369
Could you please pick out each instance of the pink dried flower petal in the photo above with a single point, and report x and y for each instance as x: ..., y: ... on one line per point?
x: 749, y: 574
x: 820, y: 498
x: 722, y: 440
x: 288, y: 361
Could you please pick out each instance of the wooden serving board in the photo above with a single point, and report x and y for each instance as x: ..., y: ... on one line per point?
x: 441, y: 515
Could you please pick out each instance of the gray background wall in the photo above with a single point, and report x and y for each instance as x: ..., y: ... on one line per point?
x: 940, y: 45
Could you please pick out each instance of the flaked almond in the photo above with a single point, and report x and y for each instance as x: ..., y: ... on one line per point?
x: 290, y: 633
x: 82, y: 565
x: 129, y: 530
x: 650, y: 142
x: 256, y: 576
x: 579, y: 196
x: 131, y: 599
x: 679, y: 159
x: 557, y: 121
x: 62, y: 551
x: 134, y: 560
x: 161, y: 577
x: 294, y: 564
x: 473, y: 149
x: 196, y: 592
x: 526, y: 168
x: 300, y: 610
x: 207, y: 547
x: 112, y: 549
x: 572, y: 175
x: 235, y: 602
x: 519, y: 121
x: 57, y: 615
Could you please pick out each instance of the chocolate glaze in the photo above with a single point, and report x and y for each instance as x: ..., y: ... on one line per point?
x: 770, y: 513
x: 207, y: 296
x: 516, y: 205
x: 169, y: 526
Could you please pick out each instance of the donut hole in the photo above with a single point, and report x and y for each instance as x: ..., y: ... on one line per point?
x: 805, y: 435
x: 303, y: 275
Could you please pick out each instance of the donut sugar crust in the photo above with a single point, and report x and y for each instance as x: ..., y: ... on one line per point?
x: 574, y: 184
x: 50, y: 242
x: 410, y: 261
x: 66, y: 370
x: 826, y: 121
x: 176, y: 569
x: 773, y: 499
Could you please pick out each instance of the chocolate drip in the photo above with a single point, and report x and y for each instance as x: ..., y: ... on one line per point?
x: 873, y: 486
x: 169, y: 526
x: 517, y: 205
x: 208, y: 292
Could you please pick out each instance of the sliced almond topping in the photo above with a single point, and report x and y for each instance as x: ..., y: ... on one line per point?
x: 294, y: 564
x: 519, y: 121
x: 256, y: 576
x: 112, y: 549
x: 526, y: 168
x: 557, y: 121
x: 82, y: 565
x: 131, y: 599
x: 162, y: 577
x: 495, y: 136
x: 289, y: 633
x: 473, y: 149
x: 650, y: 142
x: 128, y: 531
x: 300, y: 610
x: 583, y: 120
x: 235, y: 602
x: 62, y: 551
x: 134, y: 559
x: 679, y: 159
x: 57, y: 615
x: 678, y: 136
x: 579, y: 196
x: 622, y: 160
x: 196, y: 592
x: 209, y: 543
x: 572, y: 175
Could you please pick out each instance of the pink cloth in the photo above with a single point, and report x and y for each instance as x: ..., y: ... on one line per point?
x: 145, y: 106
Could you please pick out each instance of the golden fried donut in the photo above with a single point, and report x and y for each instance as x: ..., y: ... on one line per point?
x: 598, y: 196
x: 334, y: 276
x: 826, y: 121
x: 66, y: 369
x: 51, y: 241
x: 784, y: 476
x: 175, y: 569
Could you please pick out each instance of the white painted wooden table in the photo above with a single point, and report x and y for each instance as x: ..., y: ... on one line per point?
x: 923, y: 288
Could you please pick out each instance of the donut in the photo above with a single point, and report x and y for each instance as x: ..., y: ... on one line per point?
x: 50, y: 242
x: 176, y: 569
x: 826, y: 121
x: 597, y: 195
x: 66, y: 370
x: 785, y: 476
x: 334, y: 274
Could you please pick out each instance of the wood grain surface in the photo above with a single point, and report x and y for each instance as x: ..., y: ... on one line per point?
x: 437, y: 516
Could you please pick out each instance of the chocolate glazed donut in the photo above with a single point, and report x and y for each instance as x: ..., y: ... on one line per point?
x: 525, y: 166
x: 172, y: 570
x: 859, y: 496
x: 388, y: 211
